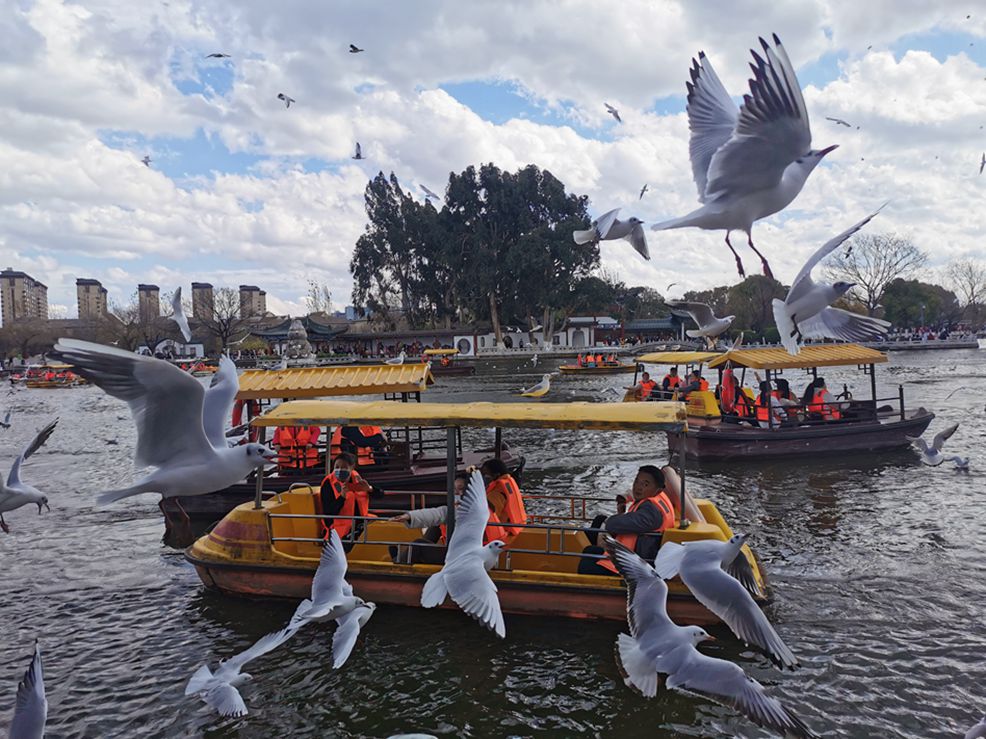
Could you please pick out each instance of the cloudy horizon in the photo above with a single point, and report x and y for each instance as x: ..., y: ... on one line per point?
x: 243, y: 190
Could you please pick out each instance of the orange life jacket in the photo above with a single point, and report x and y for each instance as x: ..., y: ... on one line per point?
x: 513, y: 509
x: 646, y: 388
x: 673, y: 381
x: 297, y: 445
x: 599, y: 359
x: 818, y: 405
x: 743, y: 406
x: 664, y: 505
x: 253, y: 410
x: 356, y: 503
x: 307, y: 443
x: 763, y: 408
x: 364, y: 454
x: 490, y: 533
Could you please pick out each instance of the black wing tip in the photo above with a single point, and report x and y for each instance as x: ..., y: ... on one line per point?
x: 701, y: 55
x: 777, y: 40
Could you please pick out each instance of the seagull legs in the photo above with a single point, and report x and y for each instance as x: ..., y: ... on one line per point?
x: 763, y: 259
x: 3, y: 525
x: 797, y: 330
x: 739, y: 262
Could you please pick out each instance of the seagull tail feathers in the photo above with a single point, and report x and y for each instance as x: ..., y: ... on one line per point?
x: 434, y: 591
x: 298, y: 619
x: 584, y: 237
x: 111, y: 496
x: 785, y: 327
x: 694, y: 334
x: 199, y: 679
x: 638, y: 672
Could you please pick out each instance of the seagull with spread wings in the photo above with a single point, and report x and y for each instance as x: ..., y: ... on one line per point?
x: 14, y: 493
x: 178, y: 315
x: 31, y: 708
x: 752, y: 162
x: 609, y: 228
x: 709, y: 325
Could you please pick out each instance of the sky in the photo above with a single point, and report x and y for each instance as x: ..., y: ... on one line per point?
x: 242, y: 189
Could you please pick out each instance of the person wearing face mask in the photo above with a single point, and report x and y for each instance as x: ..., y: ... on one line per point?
x: 344, y: 493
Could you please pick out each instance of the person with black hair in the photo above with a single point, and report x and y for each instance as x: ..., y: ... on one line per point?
x: 637, y: 523
x: 695, y: 382
x: 504, y: 497
x: 344, y: 493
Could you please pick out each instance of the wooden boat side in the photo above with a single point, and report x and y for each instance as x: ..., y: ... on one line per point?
x: 574, y: 369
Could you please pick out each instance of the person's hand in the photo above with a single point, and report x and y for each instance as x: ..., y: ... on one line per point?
x: 402, y: 518
x: 621, y: 504
x: 471, y: 468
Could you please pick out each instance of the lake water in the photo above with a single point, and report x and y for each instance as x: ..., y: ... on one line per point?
x: 876, y: 565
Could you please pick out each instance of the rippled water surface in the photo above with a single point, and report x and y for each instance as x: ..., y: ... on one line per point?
x: 876, y: 563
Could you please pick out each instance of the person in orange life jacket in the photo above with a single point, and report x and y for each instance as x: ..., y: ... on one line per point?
x: 344, y: 493
x: 695, y: 382
x: 769, y: 405
x: 820, y: 401
x: 578, y: 360
x: 297, y: 445
x: 504, y: 497
x: 670, y: 382
x: 644, y: 388
x: 354, y: 438
x: 651, y: 511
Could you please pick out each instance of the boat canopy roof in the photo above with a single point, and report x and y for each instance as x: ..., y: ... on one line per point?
x: 320, y: 382
x: 813, y: 355
x: 440, y: 352
x: 581, y: 415
x: 677, y: 357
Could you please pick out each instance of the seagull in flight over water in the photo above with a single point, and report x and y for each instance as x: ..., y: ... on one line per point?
x: 748, y: 163
x: 14, y: 493
x: 932, y: 456
x: 839, y: 121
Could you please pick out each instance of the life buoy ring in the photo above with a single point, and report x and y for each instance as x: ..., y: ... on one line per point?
x: 727, y: 393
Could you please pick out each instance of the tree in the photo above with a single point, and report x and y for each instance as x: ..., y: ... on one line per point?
x: 872, y: 262
x: 223, y: 317
x: 125, y: 322
x: 717, y: 298
x: 26, y: 337
x: 912, y: 303
x: 319, y: 297
x: 751, y: 302
x: 968, y: 279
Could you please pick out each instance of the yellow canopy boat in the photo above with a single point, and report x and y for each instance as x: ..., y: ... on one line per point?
x: 271, y: 547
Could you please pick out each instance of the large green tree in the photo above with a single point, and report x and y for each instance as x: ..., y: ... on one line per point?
x: 912, y: 303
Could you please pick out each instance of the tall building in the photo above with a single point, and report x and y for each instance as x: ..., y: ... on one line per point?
x: 22, y: 296
x: 92, y: 298
x: 149, y: 303
x: 203, y: 301
x: 253, y: 301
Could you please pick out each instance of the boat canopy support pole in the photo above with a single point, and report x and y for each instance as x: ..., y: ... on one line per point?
x: 450, y: 460
x: 900, y: 394
x: 498, y: 443
x: 258, y: 500
x: 770, y: 411
x: 681, y: 476
x: 873, y: 387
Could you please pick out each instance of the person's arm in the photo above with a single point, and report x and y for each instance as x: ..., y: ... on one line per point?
x: 644, y: 519
x: 423, y: 518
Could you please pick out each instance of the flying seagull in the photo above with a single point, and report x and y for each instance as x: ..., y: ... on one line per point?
x: 31, y: 707
x: 839, y: 121
x: 608, y: 228
x: 807, y: 311
x: 613, y: 112
x: 656, y: 646
x: 429, y: 194
x: 219, y: 688
x: 354, y: 49
x: 14, y: 493
x: 932, y: 455
x: 464, y: 576
x: 287, y: 100
x: 5, y: 423
x: 332, y: 599
x: 217, y: 55
x: 534, y: 360
x: 168, y: 408
x: 701, y: 567
x: 359, y: 152
x: 982, y: 163
x: 751, y: 163
x: 538, y: 390
x: 709, y: 326
x: 146, y: 160
x: 642, y: 191
x: 178, y: 315
x: 961, y: 463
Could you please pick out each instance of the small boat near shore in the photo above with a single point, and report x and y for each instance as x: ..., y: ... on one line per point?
x: 861, y: 425
x: 606, y: 368
x: 271, y: 547
x: 446, y: 363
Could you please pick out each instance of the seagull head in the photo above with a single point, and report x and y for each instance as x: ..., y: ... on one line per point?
x: 841, y: 288
x: 496, y: 546
x: 697, y: 634
x: 259, y: 454
x: 635, y: 221
x: 738, y: 539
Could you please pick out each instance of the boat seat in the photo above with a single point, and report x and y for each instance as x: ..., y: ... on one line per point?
x: 570, y: 542
x: 382, y: 530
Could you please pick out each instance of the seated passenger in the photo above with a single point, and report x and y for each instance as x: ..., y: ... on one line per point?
x: 432, y: 520
x: 822, y: 404
x: 695, y: 382
x: 645, y: 388
x: 671, y: 382
x: 344, y: 493
x: 768, y: 407
x: 784, y: 394
x: 650, y: 511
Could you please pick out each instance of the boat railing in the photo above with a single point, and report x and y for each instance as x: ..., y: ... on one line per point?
x: 363, y: 536
x: 850, y: 410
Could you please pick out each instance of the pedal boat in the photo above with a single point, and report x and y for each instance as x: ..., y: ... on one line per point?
x: 606, y: 368
x: 448, y: 363
x: 270, y: 547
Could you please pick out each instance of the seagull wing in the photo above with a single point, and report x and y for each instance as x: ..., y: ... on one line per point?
x: 647, y: 595
x: 14, y: 478
x: 178, y: 315
x: 218, y: 402
x: 835, y: 323
x: 263, y: 645
x: 771, y: 132
x: 803, y: 282
x: 727, y: 683
x: 700, y: 312
x: 359, y: 150
x: 638, y: 241
x: 712, y: 117
x: 471, y: 517
x: 165, y: 402
x: 605, y: 222
x: 330, y: 577
x: 940, y: 438
x: 226, y: 700
x: 729, y: 600
x: 919, y: 443
x: 344, y: 638
x: 31, y: 708
x: 470, y: 586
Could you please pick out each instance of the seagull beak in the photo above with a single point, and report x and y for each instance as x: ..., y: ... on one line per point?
x: 709, y: 637
x: 827, y: 150
x: 272, y: 456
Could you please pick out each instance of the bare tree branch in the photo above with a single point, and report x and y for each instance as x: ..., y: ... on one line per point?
x: 873, y: 261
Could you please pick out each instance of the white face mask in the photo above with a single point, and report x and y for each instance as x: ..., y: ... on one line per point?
x: 343, y: 475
